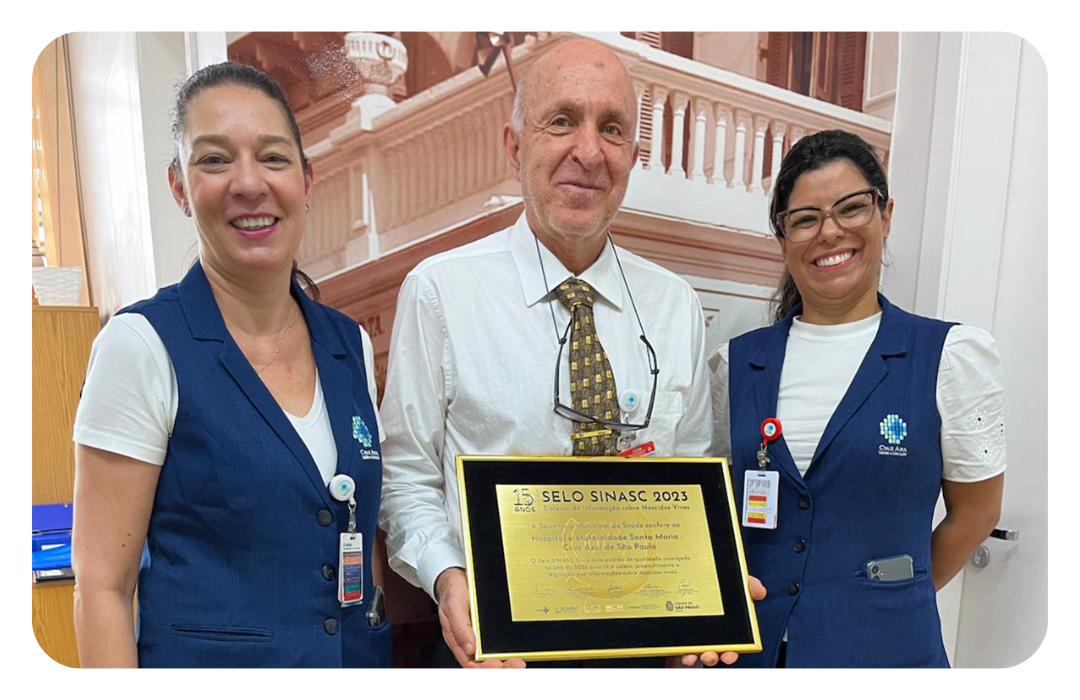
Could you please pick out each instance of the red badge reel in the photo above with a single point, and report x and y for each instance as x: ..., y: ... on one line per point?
x: 770, y: 430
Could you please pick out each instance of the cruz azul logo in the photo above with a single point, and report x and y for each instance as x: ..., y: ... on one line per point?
x: 894, y: 430
x: 362, y: 435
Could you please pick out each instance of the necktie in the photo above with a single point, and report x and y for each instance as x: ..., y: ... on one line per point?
x: 592, y: 385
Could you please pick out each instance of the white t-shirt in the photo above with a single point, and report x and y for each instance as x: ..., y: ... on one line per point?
x: 822, y: 360
x: 129, y: 399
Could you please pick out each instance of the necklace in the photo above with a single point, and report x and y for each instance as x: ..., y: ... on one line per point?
x: 281, y: 344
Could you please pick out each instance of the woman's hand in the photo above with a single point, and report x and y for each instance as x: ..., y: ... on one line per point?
x: 711, y: 658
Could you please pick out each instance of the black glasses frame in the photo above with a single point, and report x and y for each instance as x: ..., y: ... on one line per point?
x: 567, y: 412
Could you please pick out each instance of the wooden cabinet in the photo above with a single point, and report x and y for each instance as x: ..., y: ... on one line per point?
x: 63, y: 336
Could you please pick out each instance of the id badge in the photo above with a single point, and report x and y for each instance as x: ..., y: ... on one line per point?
x: 640, y: 451
x: 760, y: 492
x: 351, y: 569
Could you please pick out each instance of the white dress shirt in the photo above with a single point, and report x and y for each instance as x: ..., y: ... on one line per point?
x: 472, y: 371
x: 822, y: 360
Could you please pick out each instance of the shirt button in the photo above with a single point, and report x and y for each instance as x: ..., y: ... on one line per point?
x: 799, y: 545
x: 328, y: 572
x: 330, y: 626
x: 793, y: 588
x: 804, y: 502
x: 324, y: 517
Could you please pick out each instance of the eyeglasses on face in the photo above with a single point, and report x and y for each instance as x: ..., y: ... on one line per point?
x: 850, y: 212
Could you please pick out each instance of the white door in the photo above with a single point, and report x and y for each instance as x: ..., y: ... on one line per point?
x: 969, y: 244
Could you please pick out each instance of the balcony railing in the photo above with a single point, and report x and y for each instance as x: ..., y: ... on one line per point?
x: 436, y: 160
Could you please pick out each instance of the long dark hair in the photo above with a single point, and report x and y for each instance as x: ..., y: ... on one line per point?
x: 810, y: 153
x: 229, y: 73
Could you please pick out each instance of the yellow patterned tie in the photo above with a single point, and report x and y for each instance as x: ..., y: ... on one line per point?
x: 592, y: 385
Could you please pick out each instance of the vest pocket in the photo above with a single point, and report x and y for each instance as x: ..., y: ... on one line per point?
x: 380, y: 646
x: 894, y: 624
x: 217, y: 633
x: 919, y: 575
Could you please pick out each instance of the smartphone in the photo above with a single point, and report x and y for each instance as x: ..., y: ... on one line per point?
x: 891, y: 569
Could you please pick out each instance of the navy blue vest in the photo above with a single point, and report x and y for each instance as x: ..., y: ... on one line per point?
x: 869, y: 494
x: 242, y: 525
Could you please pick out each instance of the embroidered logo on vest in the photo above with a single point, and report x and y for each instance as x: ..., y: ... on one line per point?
x: 894, y: 430
x: 362, y: 435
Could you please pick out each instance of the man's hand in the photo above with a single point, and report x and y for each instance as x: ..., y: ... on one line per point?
x: 452, y: 592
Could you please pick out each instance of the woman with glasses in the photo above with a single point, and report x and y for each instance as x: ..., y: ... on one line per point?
x: 844, y: 422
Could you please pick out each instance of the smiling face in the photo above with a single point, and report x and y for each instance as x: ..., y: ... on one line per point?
x: 243, y: 181
x: 576, y: 147
x: 837, y: 271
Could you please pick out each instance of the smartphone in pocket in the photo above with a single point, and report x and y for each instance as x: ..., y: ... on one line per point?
x: 896, y: 568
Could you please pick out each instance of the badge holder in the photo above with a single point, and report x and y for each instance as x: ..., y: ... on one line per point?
x: 628, y: 403
x: 350, y: 546
x: 761, y: 488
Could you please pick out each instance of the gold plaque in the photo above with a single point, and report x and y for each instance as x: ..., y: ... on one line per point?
x: 599, y: 552
x: 568, y: 556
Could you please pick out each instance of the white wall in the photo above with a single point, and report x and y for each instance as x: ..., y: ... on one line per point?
x: 205, y: 48
x: 162, y: 68
x: 909, y: 161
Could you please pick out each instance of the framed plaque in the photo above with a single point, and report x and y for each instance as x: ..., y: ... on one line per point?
x: 603, y: 557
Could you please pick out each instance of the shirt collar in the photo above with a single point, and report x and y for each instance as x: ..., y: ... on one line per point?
x: 603, y: 275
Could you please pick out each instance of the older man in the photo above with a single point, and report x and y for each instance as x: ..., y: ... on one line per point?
x: 476, y: 336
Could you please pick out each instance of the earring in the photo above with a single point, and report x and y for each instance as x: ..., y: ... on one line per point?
x: 187, y: 209
x: 307, y: 207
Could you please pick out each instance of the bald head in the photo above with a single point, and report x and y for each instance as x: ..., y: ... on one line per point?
x: 550, y: 69
x: 571, y: 145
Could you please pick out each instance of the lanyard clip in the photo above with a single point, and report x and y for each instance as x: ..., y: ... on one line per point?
x: 352, y: 515
x: 770, y: 430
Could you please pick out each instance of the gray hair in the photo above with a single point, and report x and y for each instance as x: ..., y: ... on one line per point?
x: 517, y: 114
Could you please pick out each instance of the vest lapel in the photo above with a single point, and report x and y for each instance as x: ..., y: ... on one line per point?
x: 765, y: 365
x: 891, y: 341
x: 204, y: 318
x: 337, y: 381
